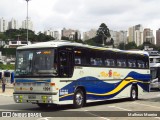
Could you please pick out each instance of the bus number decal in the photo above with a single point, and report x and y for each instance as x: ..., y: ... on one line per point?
x: 46, y: 88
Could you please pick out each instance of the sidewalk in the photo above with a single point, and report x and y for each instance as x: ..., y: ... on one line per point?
x: 8, y: 91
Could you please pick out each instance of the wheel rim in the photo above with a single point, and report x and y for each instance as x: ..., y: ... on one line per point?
x: 79, y: 98
x: 133, y: 94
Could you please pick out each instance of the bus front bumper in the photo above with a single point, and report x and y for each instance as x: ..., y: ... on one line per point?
x: 35, y: 98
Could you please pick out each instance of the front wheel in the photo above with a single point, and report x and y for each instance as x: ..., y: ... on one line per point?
x: 134, y: 93
x: 78, y: 98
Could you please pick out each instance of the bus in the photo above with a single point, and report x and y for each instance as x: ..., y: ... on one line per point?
x: 60, y: 72
x: 8, y: 75
x: 154, y: 57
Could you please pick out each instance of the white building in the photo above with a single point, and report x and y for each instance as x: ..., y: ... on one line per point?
x: 30, y: 24
x: 3, y: 25
x: 136, y: 34
x: 119, y: 37
x: 13, y: 24
x: 71, y: 34
x: 148, y: 36
x: 89, y: 34
x: 52, y: 33
x: 14, y: 44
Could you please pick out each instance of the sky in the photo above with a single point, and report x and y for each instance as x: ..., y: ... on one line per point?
x: 83, y: 14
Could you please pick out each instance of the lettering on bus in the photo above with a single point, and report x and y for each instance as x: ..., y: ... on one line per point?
x: 110, y: 74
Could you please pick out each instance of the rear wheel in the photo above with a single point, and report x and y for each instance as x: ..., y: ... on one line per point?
x: 134, y: 93
x: 79, y: 99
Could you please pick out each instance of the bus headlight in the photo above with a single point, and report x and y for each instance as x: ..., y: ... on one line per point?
x: 50, y: 98
x: 16, y: 96
x: 44, y: 97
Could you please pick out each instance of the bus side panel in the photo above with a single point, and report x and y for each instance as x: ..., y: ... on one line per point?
x: 115, y: 85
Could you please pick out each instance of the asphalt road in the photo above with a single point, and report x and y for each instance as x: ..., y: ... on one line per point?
x: 123, y: 109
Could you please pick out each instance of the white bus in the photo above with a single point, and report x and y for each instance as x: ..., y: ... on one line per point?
x: 72, y: 73
x: 154, y: 57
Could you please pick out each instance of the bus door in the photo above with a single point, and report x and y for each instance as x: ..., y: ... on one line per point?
x: 65, y: 63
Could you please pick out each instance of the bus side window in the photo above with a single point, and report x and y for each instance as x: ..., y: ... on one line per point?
x: 77, y: 61
x: 121, y: 63
x: 131, y: 63
x: 109, y: 62
x: 141, y: 64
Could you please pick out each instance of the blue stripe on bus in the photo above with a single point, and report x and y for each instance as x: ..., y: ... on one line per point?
x: 31, y: 81
x: 98, y: 89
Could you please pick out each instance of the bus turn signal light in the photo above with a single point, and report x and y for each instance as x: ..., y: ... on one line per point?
x: 52, y: 84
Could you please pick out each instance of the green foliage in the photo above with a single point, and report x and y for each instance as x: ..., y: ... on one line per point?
x: 64, y: 38
x: 21, y: 34
x: 43, y: 38
x: 7, y: 67
x: 102, y: 34
x: 8, y: 51
x: 3, y: 36
x: 131, y: 45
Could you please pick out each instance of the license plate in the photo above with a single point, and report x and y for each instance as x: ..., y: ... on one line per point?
x: 32, y: 97
x: 33, y: 101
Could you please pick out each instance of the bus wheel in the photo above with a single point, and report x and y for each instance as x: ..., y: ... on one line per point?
x: 134, y: 93
x: 78, y: 98
x: 42, y: 105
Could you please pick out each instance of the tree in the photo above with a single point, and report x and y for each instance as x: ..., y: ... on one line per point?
x: 121, y: 46
x: 64, y: 38
x: 131, y: 45
x: 76, y: 36
x: 103, y: 33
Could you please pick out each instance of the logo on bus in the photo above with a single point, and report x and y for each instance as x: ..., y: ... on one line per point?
x: 110, y: 74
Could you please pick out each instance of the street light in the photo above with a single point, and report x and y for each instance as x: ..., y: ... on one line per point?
x: 27, y: 19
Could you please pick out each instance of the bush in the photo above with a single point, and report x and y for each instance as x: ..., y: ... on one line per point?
x: 7, y: 67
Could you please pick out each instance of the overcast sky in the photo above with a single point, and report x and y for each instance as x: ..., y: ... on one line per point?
x: 84, y: 14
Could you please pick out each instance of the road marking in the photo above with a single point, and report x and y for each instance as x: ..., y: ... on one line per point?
x: 158, y: 95
x: 120, y: 108
x: 45, y: 118
x: 146, y: 105
x: 87, y: 111
x: 157, y: 118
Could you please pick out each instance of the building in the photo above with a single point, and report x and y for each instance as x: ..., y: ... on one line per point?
x: 54, y: 34
x: 15, y: 44
x: 119, y: 37
x: 71, y: 34
x: 136, y: 34
x: 13, y: 24
x: 114, y: 36
x: 89, y: 34
x: 158, y: 37
x: 148, y: 35
x: 3, y: 25
x: 131, y: 34
x: 30, y: 24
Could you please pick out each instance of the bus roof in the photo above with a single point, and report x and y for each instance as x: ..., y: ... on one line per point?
x: 59, y: 43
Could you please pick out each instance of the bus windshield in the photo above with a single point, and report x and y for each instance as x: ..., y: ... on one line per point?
x: 35, y: 62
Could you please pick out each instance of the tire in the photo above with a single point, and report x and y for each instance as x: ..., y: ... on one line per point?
x: 42, y: 105
x: 134, y: 93
x: 79, y: 99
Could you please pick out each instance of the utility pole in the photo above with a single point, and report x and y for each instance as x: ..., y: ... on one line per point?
x: 27, y: 19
